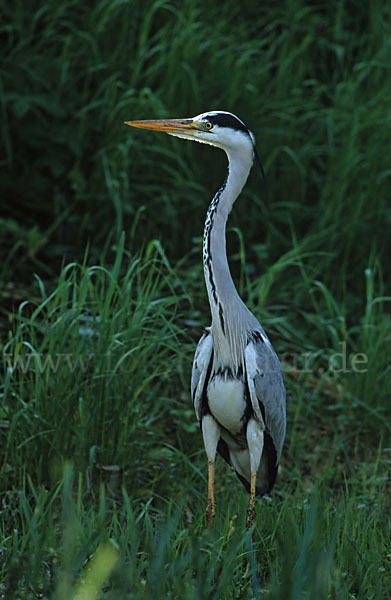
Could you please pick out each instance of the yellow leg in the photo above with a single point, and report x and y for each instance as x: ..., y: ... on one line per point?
x: 251, y: 508
x: 211, y: 508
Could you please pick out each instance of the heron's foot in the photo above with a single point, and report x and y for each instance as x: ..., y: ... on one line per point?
x: 210, y: 513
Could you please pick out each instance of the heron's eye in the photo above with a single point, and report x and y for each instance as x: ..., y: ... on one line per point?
x: 208, y: 125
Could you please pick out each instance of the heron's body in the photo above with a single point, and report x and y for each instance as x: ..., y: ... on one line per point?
x: 237, y: 385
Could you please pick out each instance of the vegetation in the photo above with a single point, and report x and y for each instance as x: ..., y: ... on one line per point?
x: 103, y: 472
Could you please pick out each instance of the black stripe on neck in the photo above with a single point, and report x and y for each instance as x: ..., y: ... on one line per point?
x: 207, y: 252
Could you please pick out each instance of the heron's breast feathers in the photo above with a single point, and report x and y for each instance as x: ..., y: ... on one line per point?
x: 227, y: 402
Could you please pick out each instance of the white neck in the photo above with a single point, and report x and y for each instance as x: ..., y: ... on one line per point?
x: 230, y: 316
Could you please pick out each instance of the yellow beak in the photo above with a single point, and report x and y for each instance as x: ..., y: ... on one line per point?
x: 167, y: 125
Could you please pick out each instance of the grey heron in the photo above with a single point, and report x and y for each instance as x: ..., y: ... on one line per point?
x: 237, y: 384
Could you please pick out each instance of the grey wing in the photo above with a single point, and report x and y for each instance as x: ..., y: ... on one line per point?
x: 201, y: 363
x: 267, y: 390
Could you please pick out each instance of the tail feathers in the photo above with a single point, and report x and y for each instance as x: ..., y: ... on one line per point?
x: 266, y: 475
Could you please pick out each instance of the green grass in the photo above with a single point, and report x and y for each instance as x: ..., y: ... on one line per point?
x: 103, y: 472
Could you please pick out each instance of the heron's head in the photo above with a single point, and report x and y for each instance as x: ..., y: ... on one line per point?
x: 217, y: 128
